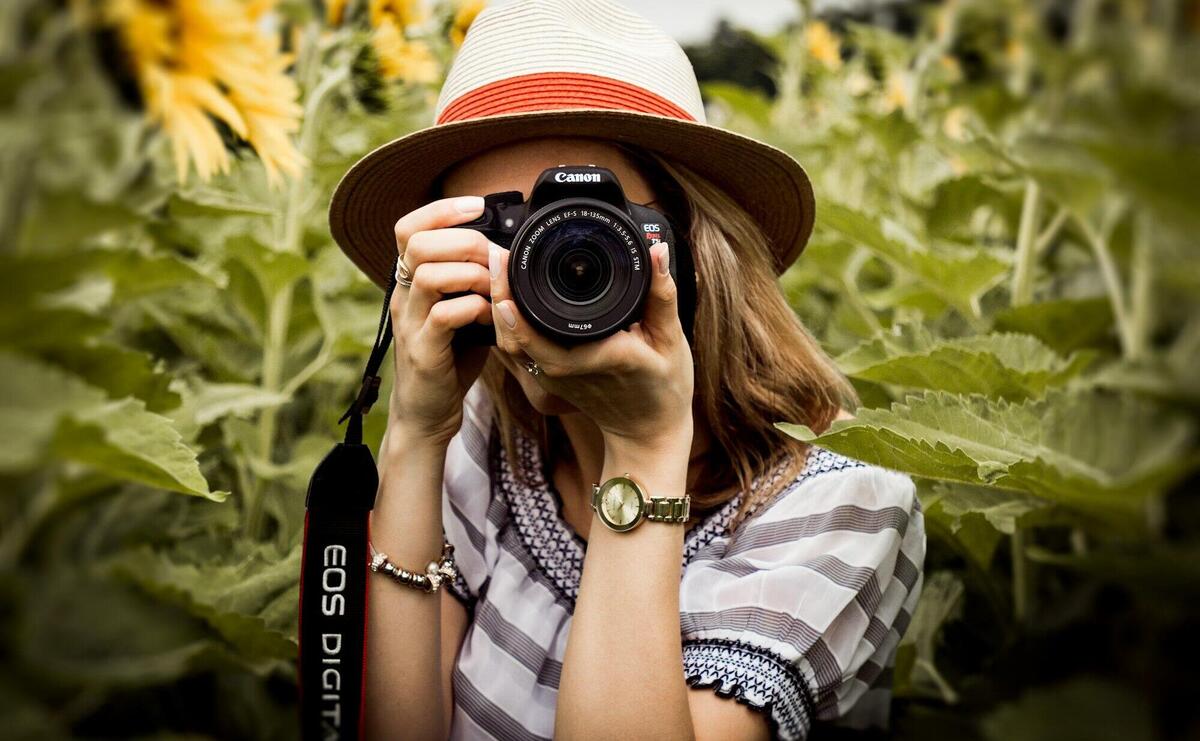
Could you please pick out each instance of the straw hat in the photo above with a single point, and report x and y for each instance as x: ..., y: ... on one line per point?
x: 592, y: 68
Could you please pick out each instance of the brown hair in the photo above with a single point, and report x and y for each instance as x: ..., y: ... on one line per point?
x: 756, y: 364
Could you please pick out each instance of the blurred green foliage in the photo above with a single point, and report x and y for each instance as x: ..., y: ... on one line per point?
x: 1005, y: 263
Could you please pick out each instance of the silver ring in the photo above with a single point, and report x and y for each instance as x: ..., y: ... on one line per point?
x: 403, y: 274
x: 533, y: 368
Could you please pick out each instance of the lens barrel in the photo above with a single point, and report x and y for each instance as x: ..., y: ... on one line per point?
x: 578, y: 270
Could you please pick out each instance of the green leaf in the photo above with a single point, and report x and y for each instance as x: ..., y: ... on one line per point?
x: 1003, y: 510
x: 916, y: 656
x: 230, y: 598
x: 201, y: 201
x: 35, y: 397
x: 956, y: 201
x: 1160, y: 178
x: 892, y: 131
x: 906, y: 294
x: 741, y: 102
x: 30, y: 317
x: 1165, y: 573
x: 971, y: 535
x: 83, y: 628
x: 1011, y: 366
x: 957, y: 274
x: 1065, y: 325
x: 211, y: 339
x: 1080, y: 709
x: 979, y: 517
x: 1088, y: 451
x: 274, y: 270
x: 124, y: 440
x: 67, y: 219
x: 118, y: 370
x: 135, y: 274
x: 43, y: 408
x: 209, y: 402
x: 1066, y: 171
x: 1169, y: 375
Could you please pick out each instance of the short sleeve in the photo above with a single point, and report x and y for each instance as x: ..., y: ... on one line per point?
x: 799, y: 613
x: 468, y: 512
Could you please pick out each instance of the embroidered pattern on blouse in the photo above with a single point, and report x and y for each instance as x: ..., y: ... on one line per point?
x: 555, y: 546
x: 818, y: 461
x: 753, y: 676
x: 559, y: 551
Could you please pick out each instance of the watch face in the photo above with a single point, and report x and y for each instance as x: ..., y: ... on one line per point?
x: 620, y: 503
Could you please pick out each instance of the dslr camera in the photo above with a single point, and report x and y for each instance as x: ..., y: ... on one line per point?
x: 579, y: 265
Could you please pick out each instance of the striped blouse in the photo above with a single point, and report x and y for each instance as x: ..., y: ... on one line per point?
x: 798, y: 615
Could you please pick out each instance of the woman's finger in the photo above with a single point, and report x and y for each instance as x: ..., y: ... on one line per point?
x: 513, y: 333
x: 618, y: 353
x: 431, y: 348
x: 432, y: 280
x: 436, y: 215
x: 446, y: 245
x: 660, y: 319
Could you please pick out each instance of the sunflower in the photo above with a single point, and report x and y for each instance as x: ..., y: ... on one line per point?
x: 403, y: 13
x: 823, y: 45
x: 464, y: 16
x: 335, y: 11
x: 895, y: 93
x: 199, y: 62
x: 400, y: 57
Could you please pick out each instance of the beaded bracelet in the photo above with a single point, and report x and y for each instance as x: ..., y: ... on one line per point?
x: 435, y: 572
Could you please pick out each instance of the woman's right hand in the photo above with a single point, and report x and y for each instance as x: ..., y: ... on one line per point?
x: 431, y: 379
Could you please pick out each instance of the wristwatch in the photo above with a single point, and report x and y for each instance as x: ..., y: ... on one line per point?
x: 622, y: 504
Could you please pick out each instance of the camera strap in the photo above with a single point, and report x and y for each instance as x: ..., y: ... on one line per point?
x: 334, y: 570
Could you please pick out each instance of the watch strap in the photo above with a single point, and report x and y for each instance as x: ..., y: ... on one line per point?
x: 672, y: 510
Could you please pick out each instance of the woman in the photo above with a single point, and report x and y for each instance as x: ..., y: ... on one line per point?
x: 782, y: 597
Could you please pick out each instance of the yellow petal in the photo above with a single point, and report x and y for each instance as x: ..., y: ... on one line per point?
x: 823, y: 44
x: 335, y: 12
x: 206, y: 95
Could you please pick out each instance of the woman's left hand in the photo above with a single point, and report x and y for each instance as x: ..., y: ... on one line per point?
x: 636, y: 384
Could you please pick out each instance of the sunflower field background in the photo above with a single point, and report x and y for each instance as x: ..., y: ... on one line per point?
x: 1005, y: 262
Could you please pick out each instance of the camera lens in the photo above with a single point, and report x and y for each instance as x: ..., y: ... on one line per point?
x: 577, y: 267
x: 581, y: 270
x: 578, y: 270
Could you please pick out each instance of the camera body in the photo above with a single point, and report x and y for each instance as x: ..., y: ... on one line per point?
x: 579, y: 265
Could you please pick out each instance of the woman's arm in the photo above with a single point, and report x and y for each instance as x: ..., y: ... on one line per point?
x: 622, y: 671
x: 623, y: 668
x: 407, y: 680
x: 406, y: 627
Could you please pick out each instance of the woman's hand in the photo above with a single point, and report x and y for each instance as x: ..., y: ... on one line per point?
x: 430, y: 379
x: 636, y: 384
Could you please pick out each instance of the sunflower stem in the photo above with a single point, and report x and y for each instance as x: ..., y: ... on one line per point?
x: 1020, y: 576
x: 1026, y: 259
x: 1112, y: 283
x: 1141, y: 306
x: 1051, y: 231
x: 279, y: 309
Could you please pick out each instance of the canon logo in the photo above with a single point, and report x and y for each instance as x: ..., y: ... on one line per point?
x: 576, y: 177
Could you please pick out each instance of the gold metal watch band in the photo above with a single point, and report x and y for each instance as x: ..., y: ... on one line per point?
x: 671, y: 510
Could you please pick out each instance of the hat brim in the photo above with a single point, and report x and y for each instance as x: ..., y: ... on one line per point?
x: 398, y: 176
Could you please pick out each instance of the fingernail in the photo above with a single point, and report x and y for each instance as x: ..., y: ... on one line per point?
x: 469, y: 205
x: 664, y: 264
x: 494, y: 260
x: 506, y: 313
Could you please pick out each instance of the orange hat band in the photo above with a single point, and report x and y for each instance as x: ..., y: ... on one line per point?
x: 545, y: 91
